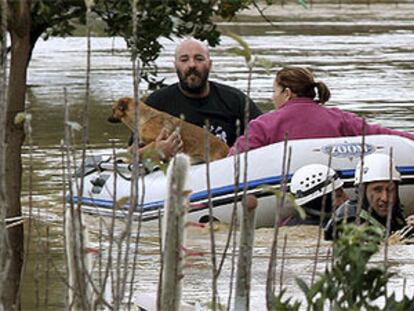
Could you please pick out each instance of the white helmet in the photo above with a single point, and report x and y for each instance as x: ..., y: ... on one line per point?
x: 376, y: 168
x: 313, y: 181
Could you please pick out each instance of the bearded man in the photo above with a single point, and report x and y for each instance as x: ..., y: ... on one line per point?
x: 198, y: 99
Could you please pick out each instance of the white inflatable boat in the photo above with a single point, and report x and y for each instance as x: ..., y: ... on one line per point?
x: 264, y: 168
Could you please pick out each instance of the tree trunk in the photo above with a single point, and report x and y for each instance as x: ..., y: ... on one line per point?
x: 19, y: 25
x: 4, y: 247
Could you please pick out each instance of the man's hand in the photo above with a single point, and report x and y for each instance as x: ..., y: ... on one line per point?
x: 168, y: 145
x: 410, y: 220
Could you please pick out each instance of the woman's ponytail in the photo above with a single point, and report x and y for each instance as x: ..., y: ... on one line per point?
x: 323, y: 92
x: 301, y: 82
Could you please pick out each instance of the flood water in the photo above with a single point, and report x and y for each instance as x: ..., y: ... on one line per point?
x: 364, y: 54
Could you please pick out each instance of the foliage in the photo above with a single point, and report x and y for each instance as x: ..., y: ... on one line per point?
x: 159, y: 19
x: 303, y: 3
x: 392, y: 305
x: 56, y: 18
x: 244, y: 50
x: 284, y: 305
x: 156, y: 19
x: 350, y: 284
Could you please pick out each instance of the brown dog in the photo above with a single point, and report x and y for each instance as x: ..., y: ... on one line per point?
x: 151, y: 123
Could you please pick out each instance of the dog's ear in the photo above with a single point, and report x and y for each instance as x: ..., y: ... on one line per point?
x: 123, y: 104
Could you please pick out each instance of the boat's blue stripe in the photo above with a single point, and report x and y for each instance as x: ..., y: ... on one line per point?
x: 347, y: 173
x: 406, y: 170
x: 220, y: 191
x: 215, y: 192
x: 110, y: 204
x: 274, y: 180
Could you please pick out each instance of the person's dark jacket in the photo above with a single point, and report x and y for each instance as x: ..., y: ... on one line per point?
x: 347, y: 213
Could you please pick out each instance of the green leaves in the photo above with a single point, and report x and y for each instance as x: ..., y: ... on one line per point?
x: 156, y: 19
x: 285, y: 305
x: 56, y: 18
x: 351, y: 284
x: 303, y: 3
x: 244, y: 51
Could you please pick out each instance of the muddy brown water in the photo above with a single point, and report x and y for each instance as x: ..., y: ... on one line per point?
x: 364, y: 54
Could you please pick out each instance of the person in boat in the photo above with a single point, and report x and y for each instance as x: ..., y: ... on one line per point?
x: 198, y: 99
x: 318, y: 190
x: 300, y: 114
x: 379, y: 188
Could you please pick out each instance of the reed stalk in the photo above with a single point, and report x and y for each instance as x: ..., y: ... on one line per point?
x: 48, y: 260
x: 107, y: 280
x: 82, y: 260
x: 247, y: 226
x: 391, y: 204
x: 136, y: 244
x: 76, y: 227
x: 79, y: 262
x: 29, y: 140
x: 249, y: 204
x: 64, y: 191
x: 36, y: 275
x: 233, y: 223
x: 282, y: 265
x: 232, y: 226
x: 161, y: 246
x: 174, y: 233
x: 71, y: 256
x: 244, y: 265
x: 214, y: 279
x: 328, y: 255
x: 323, y: 211
x: 134, y: 198
x: 361, y: 186
x: 80, y: 285
x: 271, y: 271
x: 100, y: 261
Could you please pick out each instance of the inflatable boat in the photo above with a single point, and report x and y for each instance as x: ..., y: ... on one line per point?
x: 106, y: 182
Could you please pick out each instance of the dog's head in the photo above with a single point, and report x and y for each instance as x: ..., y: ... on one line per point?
x: 120, y: 109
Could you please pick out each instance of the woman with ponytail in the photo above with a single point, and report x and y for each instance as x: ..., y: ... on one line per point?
x: 299, y: 113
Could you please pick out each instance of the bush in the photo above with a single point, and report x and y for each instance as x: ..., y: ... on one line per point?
x: 350, y: 284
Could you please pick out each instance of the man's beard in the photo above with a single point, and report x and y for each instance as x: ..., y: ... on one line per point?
x: 194, y: 88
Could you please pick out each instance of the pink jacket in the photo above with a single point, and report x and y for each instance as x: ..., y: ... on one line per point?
x: 303, y: 118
